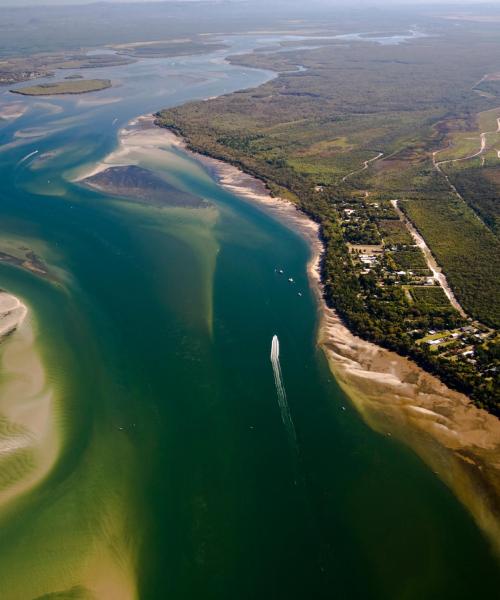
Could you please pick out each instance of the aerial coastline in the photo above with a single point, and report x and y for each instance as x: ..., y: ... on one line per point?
x: 240, y: 351
x: 395, y: 396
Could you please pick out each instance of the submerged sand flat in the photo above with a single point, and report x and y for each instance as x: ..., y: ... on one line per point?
x: 459, y: 442
x: 29, y: 443
x: 85, y: 560
x: 12, y: 111
x: 138, y: 138
x: 136, y: 171
x: 141, y: 185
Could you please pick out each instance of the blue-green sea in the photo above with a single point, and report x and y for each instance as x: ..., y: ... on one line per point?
x: 174, y: 475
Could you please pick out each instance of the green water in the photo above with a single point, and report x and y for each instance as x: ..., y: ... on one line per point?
x: 175, y: 465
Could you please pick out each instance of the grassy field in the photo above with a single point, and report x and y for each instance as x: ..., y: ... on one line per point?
x: 477, y: 179
x: 410, y: 259
x: 395, y: 233
x: 461, y: 144
x: 77, y: 86
x: 430, y: 296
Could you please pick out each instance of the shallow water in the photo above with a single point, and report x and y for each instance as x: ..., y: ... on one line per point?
x: 177, y: 476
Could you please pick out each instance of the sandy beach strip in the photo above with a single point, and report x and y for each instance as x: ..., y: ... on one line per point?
x: 457, y: 440
x: 139, y: 135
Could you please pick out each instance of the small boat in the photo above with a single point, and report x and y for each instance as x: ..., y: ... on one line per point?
x: 290, y: 279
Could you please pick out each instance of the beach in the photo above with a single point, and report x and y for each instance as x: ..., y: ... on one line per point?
x: 457, y: 440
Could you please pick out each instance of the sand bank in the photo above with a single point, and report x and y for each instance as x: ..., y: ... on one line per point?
x: 80, y: 562
x: 140, y: 135
x: 13, y: 111
x: 458, y: 441
x: 29, y: 443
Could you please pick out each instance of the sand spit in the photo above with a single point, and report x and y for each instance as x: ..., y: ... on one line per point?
x: 140, y: 135
x: 29, y: 443
x: 459, y: 442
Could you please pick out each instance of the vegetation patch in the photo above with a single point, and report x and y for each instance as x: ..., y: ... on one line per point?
x: 76, y: 86
x: 409, y: 259
x: 431, y: 296
x: 395, y: 233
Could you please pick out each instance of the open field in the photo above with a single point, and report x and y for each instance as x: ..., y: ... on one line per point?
x: 477, y: 141
x: 431, y: 296
x: 395, y: 232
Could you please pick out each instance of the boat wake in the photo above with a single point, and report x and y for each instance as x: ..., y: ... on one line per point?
x: 286, y: 415
x: 28, y: 156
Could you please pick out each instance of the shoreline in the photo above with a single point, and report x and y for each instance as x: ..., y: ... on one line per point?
x: 394, y: 396
x: 459, y: 442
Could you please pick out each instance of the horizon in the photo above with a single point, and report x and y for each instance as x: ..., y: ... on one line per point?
x: 325, y: 3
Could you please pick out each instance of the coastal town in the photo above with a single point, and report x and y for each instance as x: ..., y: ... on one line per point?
x: 385, y: 257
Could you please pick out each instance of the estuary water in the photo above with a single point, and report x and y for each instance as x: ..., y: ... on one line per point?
x: 172, y: 472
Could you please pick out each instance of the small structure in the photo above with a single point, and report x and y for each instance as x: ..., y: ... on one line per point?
x: 365, y: 249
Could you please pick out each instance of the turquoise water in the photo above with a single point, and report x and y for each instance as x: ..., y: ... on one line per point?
x: 176, y: 475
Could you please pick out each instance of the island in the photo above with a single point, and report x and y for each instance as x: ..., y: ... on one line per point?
x: 73, y: 86
x: 167, y: 48
x: 17, y: 69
